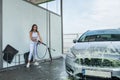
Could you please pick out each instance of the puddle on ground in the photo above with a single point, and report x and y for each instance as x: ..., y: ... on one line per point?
x: 39, y: 66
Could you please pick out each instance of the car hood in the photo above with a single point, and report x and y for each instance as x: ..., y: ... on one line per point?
x: 97, y: 49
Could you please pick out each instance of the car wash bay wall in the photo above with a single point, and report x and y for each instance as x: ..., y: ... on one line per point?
x: 19, y: 16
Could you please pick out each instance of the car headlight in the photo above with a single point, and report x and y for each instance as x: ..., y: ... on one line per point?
x: 71, y: 54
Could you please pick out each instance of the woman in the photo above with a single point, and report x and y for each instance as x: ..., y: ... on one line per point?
x: 34, y: 37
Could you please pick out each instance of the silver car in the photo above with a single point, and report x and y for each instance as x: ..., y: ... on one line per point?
x: 95, y: 54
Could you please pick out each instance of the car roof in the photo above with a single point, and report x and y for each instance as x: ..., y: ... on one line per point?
x: 105, y: 31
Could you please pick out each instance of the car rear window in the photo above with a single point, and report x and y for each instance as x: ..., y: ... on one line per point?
x: 101, y: 37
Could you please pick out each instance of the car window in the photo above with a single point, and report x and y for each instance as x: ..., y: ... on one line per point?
x: 90, y: 38
x: 100, y: 37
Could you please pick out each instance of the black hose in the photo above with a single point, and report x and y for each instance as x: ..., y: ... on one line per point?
x: 47, y: 49
x: 43, y: 55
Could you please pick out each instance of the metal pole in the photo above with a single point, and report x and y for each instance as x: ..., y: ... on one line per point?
x: 15, y: 60
x: 49, y: 25
x: 19, y: 59
x: 1, y: 59
x: 61, y: 10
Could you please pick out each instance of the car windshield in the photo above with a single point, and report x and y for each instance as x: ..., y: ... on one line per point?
x: 99, y: 37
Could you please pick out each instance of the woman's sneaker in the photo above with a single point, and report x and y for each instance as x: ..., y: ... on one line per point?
x: 28, y: 65
x: 36, y: 63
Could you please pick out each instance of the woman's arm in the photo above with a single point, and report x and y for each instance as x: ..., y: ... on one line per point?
x: 40, y: 38
x: 30, y: 36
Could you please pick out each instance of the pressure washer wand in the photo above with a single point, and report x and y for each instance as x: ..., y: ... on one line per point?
x: 50, y: 56
x: 46, y: 45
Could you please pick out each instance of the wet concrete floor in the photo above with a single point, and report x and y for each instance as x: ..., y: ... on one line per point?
x: 45, y: 71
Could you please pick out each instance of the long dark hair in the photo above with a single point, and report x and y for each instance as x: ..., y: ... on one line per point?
x: 33, y: 27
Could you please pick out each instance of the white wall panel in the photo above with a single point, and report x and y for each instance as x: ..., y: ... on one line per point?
x: 18, y: 17
x: 55, y: 31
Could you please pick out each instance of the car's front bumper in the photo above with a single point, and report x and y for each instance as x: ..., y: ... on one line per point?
x: 74, y: 69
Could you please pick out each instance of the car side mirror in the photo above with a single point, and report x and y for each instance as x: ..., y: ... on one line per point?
x: 75, y: 40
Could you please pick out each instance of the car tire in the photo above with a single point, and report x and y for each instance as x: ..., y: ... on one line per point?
x: 69, y: 75
x: 115, y: 78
